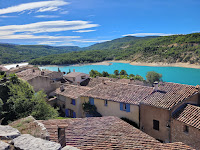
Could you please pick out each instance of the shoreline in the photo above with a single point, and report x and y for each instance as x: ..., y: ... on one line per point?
x: 108, y: 63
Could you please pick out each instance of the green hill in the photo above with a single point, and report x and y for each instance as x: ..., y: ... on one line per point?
x: 10, y: 53
x: 167, y: 49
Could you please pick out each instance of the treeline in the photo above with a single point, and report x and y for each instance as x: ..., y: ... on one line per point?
x: 10, y: 53
x: 151, y: 76
x: 167, y: 49
x: 18, y: 100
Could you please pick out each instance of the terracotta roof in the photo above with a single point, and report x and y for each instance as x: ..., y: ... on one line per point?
x: 169, y: 95
x: 72, y: 91
x: 74, y: 74
x: 127, y: 93
x: 29, y: 74
x: 189, y: 115
x: 104, y: 133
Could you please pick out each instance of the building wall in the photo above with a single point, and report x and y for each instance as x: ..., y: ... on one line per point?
x: 44, y: 83
x: 62, y: 100
x: 150, y: 113
x: 78, y: 78
x: 113, y: 109
x: 192, y: 138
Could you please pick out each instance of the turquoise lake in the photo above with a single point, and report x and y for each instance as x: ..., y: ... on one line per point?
x: 181, y: 75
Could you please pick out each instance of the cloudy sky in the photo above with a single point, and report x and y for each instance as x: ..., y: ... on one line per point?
x: 86, y: 22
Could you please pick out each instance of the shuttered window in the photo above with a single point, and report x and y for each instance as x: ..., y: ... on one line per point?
x: 125, y: 107
x: 73, y: 102
x: 66, y: 112
x: 91, y: 101
x: 74, y: 115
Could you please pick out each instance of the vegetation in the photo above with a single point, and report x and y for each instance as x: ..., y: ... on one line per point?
x: 153, y: 76
x: 10, y: 53
x: 122, y: 75
x: 167, y: 49
x: 91, y: 109
x: 18, y: 100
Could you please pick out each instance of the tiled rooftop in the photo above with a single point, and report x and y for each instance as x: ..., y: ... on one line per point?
x: 189, y: 115
x: 127, y: 93
x: 169, y: 95
x: 72, y: 91
x: 30, y: 74
x: 105, y: 133
x: 74, y: 74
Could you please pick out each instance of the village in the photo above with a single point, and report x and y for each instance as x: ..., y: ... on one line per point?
x: 112, y: 113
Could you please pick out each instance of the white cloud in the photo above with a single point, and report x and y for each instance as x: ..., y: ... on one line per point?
x: 64, y: 12
x: 46, y: 16
x: 89, y: 41
x: 148, y: 34
x: 41, y: 5
x: 82, y: 31
x: 48, y: 26
x: 7, y: 16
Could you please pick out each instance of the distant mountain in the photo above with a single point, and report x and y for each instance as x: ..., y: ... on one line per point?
x: 166, y: 49
x: 12, y: 53
x: 117, y: 43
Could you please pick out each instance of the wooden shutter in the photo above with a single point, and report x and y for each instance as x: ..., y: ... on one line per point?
x: 74, y: 115
x: 121, y: 106
x: 127, y: 107
x: 66, y: 112
x: 91, y: 101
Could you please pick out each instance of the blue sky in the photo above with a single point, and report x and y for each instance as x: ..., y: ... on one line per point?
x: 86, y: 22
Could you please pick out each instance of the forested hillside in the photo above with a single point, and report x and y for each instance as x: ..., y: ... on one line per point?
x: 167, y: 49
x: 10, y: 53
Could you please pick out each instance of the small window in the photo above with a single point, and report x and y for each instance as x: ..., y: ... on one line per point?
x: 124, y: 107
x: 73, y: 102
x: 83, y: 77
x: 156, y: 125
x: 185, y: 129
x: 105, y: 103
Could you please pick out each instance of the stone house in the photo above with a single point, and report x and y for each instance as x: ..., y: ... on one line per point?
x: 76, y: 77
x: 117, y: 99
x: 41, y: 80
x: 68, y: 98
x: 186, y: 125
x: 157, y: 108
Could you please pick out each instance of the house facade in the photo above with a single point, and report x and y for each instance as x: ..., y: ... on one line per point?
x: 157, y: 109
x: 76, y: 77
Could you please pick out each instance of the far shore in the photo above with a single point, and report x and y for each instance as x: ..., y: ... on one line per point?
x: 107, y: 63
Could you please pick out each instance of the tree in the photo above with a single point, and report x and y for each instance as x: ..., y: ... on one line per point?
x: 105, y: 74
x: 116, y: 72
x: 123, y: 72
x: 153, y: 76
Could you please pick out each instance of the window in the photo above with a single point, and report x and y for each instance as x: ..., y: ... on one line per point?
x: 125, y: 107
x: 185, y: 129
x: 83, y: 77
x: 91, y: 101
x: 73, y: 102
x: 105, y: 103
x: 156, y: 125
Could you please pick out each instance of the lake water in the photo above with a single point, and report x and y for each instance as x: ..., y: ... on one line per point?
x: 181, y: 75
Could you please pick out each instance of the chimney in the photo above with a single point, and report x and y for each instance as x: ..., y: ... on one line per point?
x: 156, y: 86
x: 198, y: 88
x: 73, y: 70
x: 42, y: 73
x: 61, y: 136
x: 62, y: 88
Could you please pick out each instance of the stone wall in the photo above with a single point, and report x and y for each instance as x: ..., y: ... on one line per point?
x: 192, y: 138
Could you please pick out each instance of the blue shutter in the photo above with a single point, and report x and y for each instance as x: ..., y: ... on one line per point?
x: 91, y: 101
x: 127, y: 107
x: 121, y: 106
x: 73, y: 102
x: 74, y: 115
x: 66, y: 113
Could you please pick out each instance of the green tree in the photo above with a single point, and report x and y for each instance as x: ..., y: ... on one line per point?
x: 105, y: 74
x: 123, y: 72
x: 153, y: 76
x: 116, y: 72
